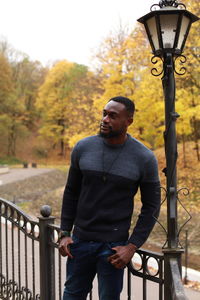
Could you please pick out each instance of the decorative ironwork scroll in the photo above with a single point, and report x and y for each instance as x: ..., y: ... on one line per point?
x: 181, y: 59
x: 177, y: 60
x: 155, y: 71
x: 10, y: 290
x: 166, y: 3
x: 185, y: 192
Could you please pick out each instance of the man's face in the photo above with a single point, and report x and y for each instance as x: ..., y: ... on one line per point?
x: 115, y: 120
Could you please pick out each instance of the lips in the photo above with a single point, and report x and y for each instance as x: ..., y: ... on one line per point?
x: 104, y: 127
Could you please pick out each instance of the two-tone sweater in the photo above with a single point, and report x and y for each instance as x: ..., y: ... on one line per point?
x: 98, y: 199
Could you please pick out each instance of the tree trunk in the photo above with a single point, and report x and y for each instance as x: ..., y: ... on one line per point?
x: 195, y: 137
x: 12, y: 141
x: 62, y: 148
x: 62, y: 144
x: 197, y: 149
x: 184, y: 151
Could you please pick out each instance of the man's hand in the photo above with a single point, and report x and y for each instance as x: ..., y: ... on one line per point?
x: 64, y: 248
x: 122, y: 256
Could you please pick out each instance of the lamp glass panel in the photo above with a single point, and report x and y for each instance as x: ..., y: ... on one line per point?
x: 151, y: 24
x: 183, y: 31
x: 168, y: 28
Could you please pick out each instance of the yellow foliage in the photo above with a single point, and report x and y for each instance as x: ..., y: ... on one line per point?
x: 65, y: 102
x: 72, y: 98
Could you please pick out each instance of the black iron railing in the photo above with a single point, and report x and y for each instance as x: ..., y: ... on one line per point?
x: 19, y: 237
x: 177, y: 290
x: 150, y: 268
x: 31, y: 267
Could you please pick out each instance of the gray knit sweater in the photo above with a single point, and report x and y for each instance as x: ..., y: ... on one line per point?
x: 99, y: 195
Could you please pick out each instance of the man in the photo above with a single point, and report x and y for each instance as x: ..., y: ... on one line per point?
x: 105, y: 173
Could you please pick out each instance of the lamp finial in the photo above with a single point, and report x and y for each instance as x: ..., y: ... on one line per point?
x: 167, y: 3
x: 163, y: 3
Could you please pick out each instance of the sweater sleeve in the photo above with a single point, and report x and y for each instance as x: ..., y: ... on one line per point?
x: 71, y: 193
x: 150, y: 198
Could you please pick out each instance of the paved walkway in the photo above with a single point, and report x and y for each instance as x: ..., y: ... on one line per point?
x: 20, y: 174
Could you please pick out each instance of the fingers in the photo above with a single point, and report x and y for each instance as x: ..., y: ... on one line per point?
x: 121, y: 257
x: 64, y: 247
x: 113, y: 257
x: 65, y: 251
x: 117, y: 263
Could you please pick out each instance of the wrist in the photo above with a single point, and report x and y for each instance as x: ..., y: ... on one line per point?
x: 131, y: 247
x: 64, y: 233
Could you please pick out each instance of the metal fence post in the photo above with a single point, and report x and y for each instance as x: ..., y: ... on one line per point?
x: 168, y: 254
x: 186, y: 257
x: 47, y: 256
x: 172, y: 251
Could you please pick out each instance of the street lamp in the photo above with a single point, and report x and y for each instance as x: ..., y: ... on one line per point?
x: 167, y: 29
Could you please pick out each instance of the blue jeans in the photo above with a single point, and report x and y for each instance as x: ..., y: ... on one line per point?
x: 89, y: 259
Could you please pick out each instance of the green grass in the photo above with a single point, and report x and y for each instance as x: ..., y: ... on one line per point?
x: 25, y: 206
x: 15, y: 162
x: 9, y: 160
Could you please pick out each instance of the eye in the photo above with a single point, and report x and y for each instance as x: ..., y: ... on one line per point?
x: 113, y: 116
x: 104, y: 113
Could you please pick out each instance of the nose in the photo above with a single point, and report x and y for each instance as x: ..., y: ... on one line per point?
x: 105, y: 119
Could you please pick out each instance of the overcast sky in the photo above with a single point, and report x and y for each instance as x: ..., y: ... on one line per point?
x: 48, y: 30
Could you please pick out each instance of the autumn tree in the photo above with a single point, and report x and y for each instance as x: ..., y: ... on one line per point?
x: 6, y: 85
x: 120, y: 60
x: 84, y: 121
x: 6, y: 90
x: 65, y: 102
x: 28, y: 76
x: 188, y: 93
x: 18, y: 112
x: 125, y: 65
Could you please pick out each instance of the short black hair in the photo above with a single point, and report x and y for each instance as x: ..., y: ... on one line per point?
x: 129, y: 104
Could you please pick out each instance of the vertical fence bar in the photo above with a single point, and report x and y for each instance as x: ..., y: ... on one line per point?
x: 128, y: 284
x: 144, y: 282
x: 33, y: 268
x: 1, y: 252
x: 47, y: 256
x: 26, y: 264
x: 19, y: 262
x: 6, y: 236
x: 160, y: 277
x: 186, y: 257
x: 59, y: 275
x: 13, y: 258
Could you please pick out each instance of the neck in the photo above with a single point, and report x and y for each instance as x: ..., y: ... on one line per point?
x: 117, y: 140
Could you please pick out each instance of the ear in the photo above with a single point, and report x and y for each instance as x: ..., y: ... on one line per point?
x: 130, y: 121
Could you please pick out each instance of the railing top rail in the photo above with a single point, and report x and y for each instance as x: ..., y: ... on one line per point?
x: 12, y: 214
x: 144, y: 268
x: 177, y: 286
x: 150, y: 253
x: 54, y: 226
x: 14, y: 207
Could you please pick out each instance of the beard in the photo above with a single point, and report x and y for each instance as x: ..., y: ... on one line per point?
x: 111, y: 134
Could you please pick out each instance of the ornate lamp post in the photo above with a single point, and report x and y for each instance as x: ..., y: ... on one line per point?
x: 167, y: 29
